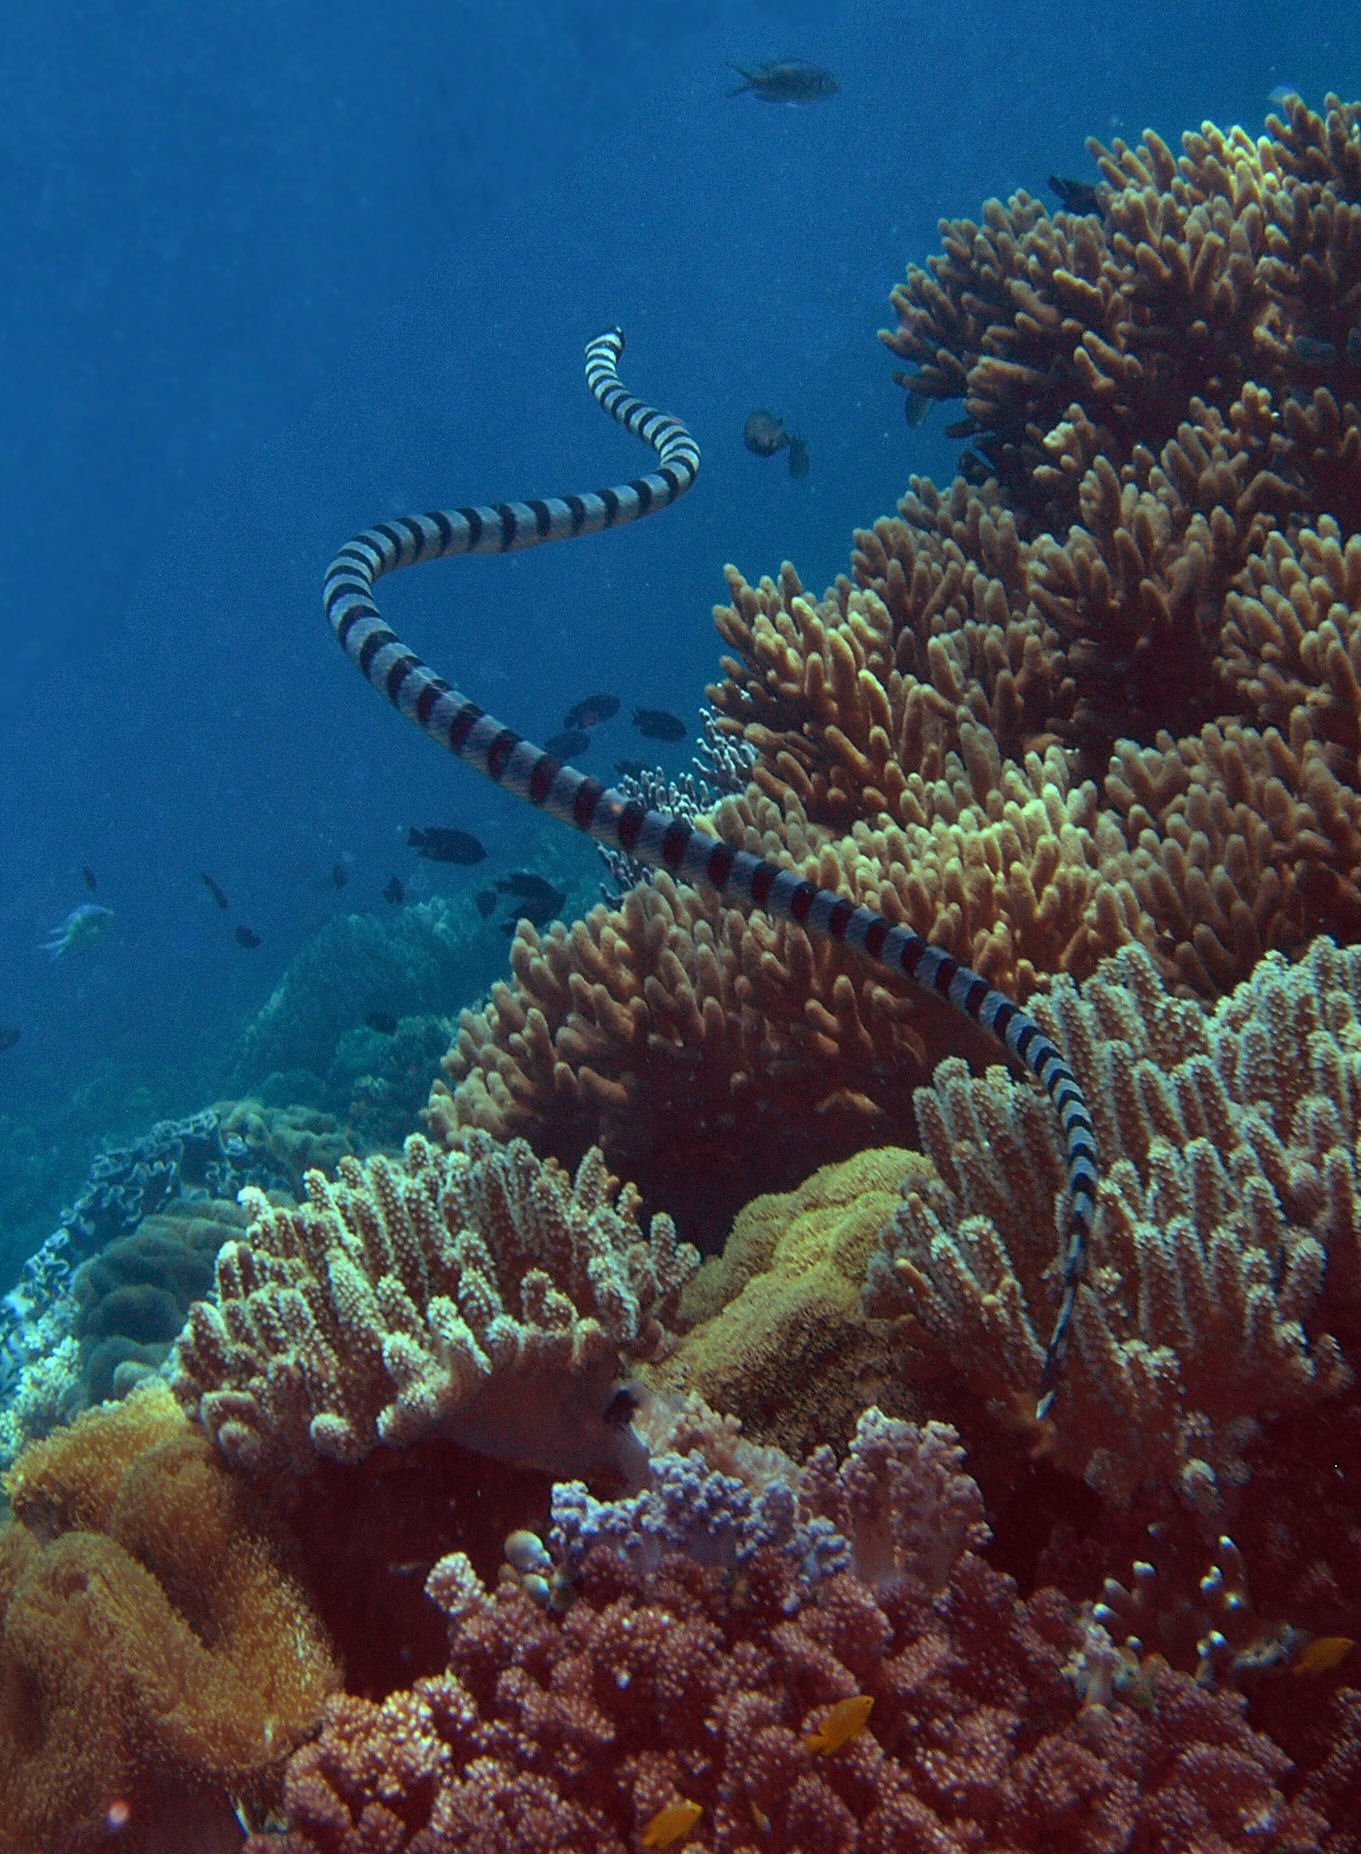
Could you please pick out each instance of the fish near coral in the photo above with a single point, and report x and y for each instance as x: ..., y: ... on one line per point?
x: 846, y: 1720
x: 764, y: 434
x: 671, y: 1824
x: 83, y: 928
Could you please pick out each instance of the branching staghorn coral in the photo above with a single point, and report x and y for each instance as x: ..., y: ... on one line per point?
x: 483, y: 1295
x: 1225, y: 1258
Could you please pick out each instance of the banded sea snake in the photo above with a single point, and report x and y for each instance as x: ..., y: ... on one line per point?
x: 654, y: 837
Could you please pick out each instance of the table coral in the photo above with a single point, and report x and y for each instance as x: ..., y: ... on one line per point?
x: 485, y: 1296
x: 1224, y: 1252
x: 155, y: 1658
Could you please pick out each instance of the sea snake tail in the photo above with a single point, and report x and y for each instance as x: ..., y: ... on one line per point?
x: 653, y: 837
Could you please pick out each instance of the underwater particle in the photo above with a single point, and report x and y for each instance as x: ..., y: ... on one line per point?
x: 9, y: 1035
x: 83, y: 928
x: 439, y: 845
x: 568, y: 744
x: 383, y: 1022
x: 764, y: 434
x: 88, y: 875
x: 845, y: 1721
x: 214, y: 890
x: 591, y: 712
x: 672, y: 1822
x: 786, y: 80
x: 658, y: 724
x: 394, y: 894
x: 247, y: 937
x: 798, y: 458
x: 485, y: 902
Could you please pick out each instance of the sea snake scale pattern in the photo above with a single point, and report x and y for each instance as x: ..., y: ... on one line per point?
x: 653, y: 837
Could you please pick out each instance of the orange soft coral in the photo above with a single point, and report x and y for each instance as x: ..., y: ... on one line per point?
x: 156, y: 1660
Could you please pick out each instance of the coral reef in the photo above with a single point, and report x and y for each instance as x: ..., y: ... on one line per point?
x: 1225, y: 1255
x: 1101, y: 690
x: 485, y: 1296
x: 773, y: 1710
x: 156, y: 1660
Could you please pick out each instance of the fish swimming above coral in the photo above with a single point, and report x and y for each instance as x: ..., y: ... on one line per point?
x: 786, y: 80
x: 9, y: 1035
x: 440, y: 845
x: 1080, y: 196
x: 83, y: 928
x: 217, y: 894
x: 530, y: 887
x: 568, y: 744
x: 591, y: 712
x: 764, y: 434
x: 798, y: 458
x: 657, y: 724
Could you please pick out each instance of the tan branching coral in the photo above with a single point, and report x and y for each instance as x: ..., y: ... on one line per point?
x: 484, y: 1296
x: 1103, y: 689
x: 1225, y: 1256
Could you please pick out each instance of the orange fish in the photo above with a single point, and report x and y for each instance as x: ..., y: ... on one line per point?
x: 1324, y: 1653
x: 671, y: 1823
x: 845, y: 1721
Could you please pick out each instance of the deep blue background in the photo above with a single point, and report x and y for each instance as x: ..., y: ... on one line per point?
x: 280, y: 269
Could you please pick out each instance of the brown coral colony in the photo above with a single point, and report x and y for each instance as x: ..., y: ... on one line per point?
x: 1103, y: 688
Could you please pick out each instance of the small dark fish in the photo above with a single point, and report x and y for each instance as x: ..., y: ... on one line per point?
x: 340, y: 876
x: 383, y: 1022
x: 9, y: 1035
x: 631, y: 769
x: 1079, y: 196
x: 591, y: 712
x: 786, y: 80
x: 764, y: 434
x: 247, y: 936
x: 657, y: 724
x: 566, y: 746
x: 537, y: 913
x: 214, y: 890
x: 1354, y: 347
x: 918, y: 408
x: 394, y: 894
x: 89, y: 876
x: 1320, y: 355
x: 532, y: 888
x: 446, y: 846
x: 485, y: 902
x: 798, y: 458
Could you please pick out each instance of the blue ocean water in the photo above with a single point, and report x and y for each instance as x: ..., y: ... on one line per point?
x: 275, y: 272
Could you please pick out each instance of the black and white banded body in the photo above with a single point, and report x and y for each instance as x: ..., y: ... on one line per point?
x: 654, y: 837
